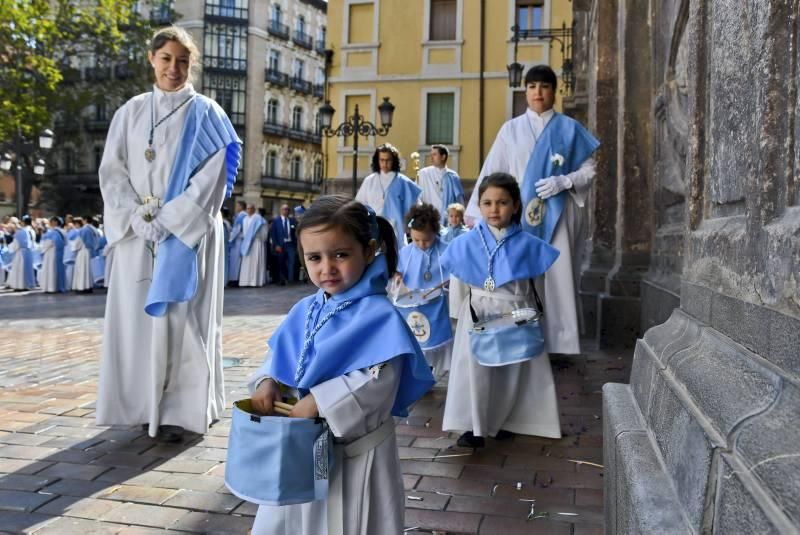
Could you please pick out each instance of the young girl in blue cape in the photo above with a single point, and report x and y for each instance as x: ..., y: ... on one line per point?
x: 493, y: 267
x: 455, y: 223
x: 351, y: 359
x: 421, y: 269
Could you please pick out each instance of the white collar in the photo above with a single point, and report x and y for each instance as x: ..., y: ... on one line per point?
x: 171, y: 99
x: 541, y: 117
x: 498, y: 233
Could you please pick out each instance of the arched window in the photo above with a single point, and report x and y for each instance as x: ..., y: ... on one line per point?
x: 297, y: 165
x: 276, y: 12
x: 318, y: 171
x: 297, y: 118
x: 272, y: 111
x: 272, y: 163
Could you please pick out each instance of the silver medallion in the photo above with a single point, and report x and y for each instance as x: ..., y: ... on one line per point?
x: 488, y: 284
x: 427, y: 276
x: 149, y: 154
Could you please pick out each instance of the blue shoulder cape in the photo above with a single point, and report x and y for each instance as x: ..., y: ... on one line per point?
x: 567, y: 137
x: 452, y: 192
x: 206, y: 130
x: 368, y: 332
x: 247, y: 242
x: 413, y: 262
x: 522, y: 257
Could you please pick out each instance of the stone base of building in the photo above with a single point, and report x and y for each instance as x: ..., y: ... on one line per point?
x: 705, y: 437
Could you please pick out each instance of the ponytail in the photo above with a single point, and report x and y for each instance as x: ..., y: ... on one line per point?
x: 388, y: 243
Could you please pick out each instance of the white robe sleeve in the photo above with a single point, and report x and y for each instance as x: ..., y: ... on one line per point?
x: 260, y: 374
x: 459, y: 291
x: 582, y: 181
x: 46, y: 245
x: 191, y: 214
x: 77, y: 244
x: 119, y: 198
x: 497, y: 161
x: 362, y: 195
x: 346, y: 401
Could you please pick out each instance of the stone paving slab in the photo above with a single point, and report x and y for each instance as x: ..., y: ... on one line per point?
x: 62, y: 474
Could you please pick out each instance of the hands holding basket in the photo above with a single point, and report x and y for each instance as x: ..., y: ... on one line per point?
x: 268, y: 400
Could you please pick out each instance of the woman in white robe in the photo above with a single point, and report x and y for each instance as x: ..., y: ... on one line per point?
x: 82, y: 280
x: 253, y: 270
x: 21, y: 276
x: 52, y: 277
x: 162, y: 371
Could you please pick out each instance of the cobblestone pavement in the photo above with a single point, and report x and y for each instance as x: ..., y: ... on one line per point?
x: 61, y: 474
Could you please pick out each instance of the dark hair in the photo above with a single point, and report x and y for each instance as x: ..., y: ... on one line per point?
x: 26, y: 219
x: 423, y: 217
x: 180, y: 36
x: 506, y: 182
x: 541, y: 73
x: 352, y: 217
x: 77, y: 221
x: 57, y: 220
x: 443, y: 151
x: 242, y: 204
x: 391, y: 149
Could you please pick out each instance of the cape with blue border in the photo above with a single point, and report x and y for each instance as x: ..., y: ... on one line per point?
x: 206, y: 131
x: 250, y: 235
x: 521, y: 257
x: 370, y: 331
x: 567, y: 137
x: 401, y: 195
x: 26, y: 252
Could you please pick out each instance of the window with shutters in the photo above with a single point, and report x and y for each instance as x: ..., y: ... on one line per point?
x: 439, y: 120
x: 443, y: 20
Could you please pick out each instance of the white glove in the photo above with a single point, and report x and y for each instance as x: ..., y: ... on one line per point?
x: 151, y: 231
x: 547, y: 187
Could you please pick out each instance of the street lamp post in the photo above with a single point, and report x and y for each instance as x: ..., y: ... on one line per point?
x: 355, y: 126
x: 22, y: 148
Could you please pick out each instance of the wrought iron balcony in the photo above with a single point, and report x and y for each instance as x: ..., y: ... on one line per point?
x: 276, y: 77
x: 278, y: 29
x: 300, y: 85
x: 226, y: 64
x: 162, y: 16
x: 319, y: 90
x: 226, y: 11
x: 275, y: 128
x: 320, y: 47
x: 278, y: 129
x: 303, y: 39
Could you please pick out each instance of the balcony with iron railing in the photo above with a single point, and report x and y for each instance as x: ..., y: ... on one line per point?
x: 300, y: 85
x: 319, y: 90
x: 162, y: 16
x: 225, y: 64
x: 276, y: 77
x: 227, y: 12
x: 300, y: 185
x: 275, y: 128
x: 320, y: 47
x: 278, y: 29
x: 303, y: 39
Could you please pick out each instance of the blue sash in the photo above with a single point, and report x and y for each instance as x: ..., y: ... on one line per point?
x: 206, y: 130
x: 452, y: 192
x: 401, y: 195
x: 563, y: 136
x: 250, y: 235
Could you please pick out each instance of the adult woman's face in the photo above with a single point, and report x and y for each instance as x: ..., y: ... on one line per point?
x: 171, y: 66
x: 540, y: 96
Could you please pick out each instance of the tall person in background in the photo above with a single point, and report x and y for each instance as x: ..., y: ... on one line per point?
x: 170, y: 160
x: 284, y: 243
x: 236, y: 237
x: 53, y: 276
x: 22, y: 276
x: 254, y: 259
x: 441, y: 186
x: 550, y: 155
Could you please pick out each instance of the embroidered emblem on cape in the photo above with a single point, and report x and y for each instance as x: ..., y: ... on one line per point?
x: 534, y: 212
x: 420, y: 326
x: 321, y: 446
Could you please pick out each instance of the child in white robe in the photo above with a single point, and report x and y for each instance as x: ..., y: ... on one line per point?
x: 352, y: 355
x: 492, y: 268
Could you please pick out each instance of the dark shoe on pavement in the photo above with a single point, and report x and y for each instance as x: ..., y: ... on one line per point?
x: 170, y: 433
x: 503, y: 435
x: 468, y: 440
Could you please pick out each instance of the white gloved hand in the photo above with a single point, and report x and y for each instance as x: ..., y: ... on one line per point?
x: 151, y: 231
x: 547, y: 187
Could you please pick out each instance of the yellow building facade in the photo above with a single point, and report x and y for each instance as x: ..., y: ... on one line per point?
x: 443, y: 64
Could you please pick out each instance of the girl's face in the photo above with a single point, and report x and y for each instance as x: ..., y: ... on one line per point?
x: 497, y: 207
x: 335, y: 260
x: 424, y: 239
x: 454, y: 218
x: 171, y: 66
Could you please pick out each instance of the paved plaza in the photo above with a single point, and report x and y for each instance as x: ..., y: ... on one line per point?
x: 60, y: 474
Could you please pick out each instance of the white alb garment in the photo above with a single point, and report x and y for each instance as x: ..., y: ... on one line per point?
x: 510, y: 154
x: 373, y: 190
x: 160, y: 370
x: 48, y: 275
x: 253, y: 270
x: 82, y: 271
x: 521, y: 397
x: 16, y: 276
x: 430, y: 180
x: 371, y: 484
